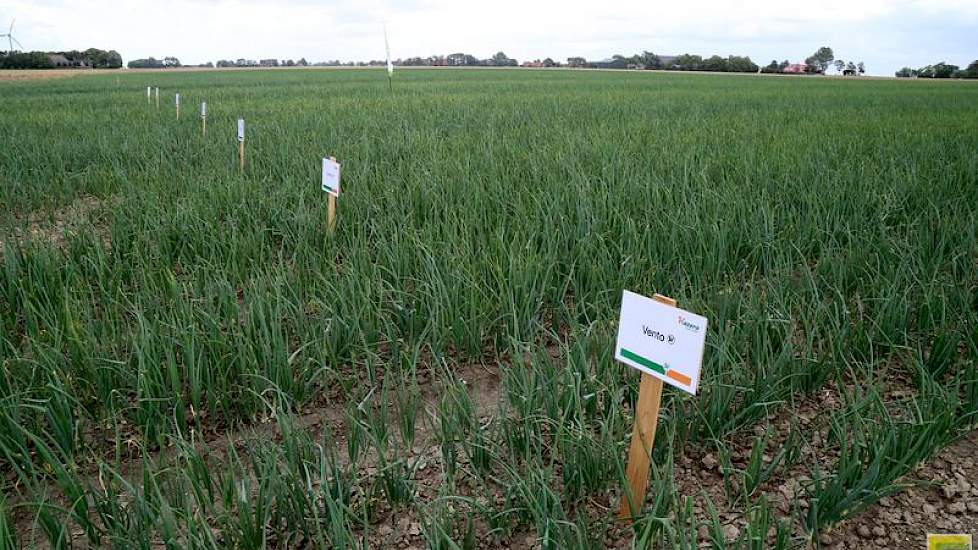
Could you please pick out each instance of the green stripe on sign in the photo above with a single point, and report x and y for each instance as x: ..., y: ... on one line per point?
x: 632, y: 356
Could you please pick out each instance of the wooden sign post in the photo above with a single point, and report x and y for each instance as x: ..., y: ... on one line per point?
x: 241, y: 145
x: 331, y: 186
x: 666, y: 344
x: 203, y: 117
x: 176, y: 100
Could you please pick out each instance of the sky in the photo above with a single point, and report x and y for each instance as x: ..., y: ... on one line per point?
x: 885, y: 34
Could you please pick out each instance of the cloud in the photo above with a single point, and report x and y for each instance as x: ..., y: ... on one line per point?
x: 764, y: 29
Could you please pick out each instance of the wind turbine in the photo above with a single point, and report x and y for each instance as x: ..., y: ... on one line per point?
x: 10, y: 38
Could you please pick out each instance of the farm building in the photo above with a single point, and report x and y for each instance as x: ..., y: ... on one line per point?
x: 59, y: 60
x: 796, y: 68
x: 62, y: 62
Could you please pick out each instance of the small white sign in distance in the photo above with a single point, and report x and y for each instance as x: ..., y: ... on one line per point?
x: 177, y: 99
x: 149, y: 92
x: 331, y: 177
x: 665, y: 342
x: 240, y: 129
x: 203, y: 109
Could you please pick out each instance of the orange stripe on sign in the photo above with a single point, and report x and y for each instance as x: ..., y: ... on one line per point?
x: 679, y: 377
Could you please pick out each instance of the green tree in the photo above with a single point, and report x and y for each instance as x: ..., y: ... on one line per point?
x: 942, y: 70
x: 501, y: 60
x: 739, y: 64
x: 839, y: 65
x: 151, y: 63
x: 26, y: 60
x: 688, y: 62
x: 648, y: 60
x: 971, y: 71
x: 820, y: 60
x: 715, y: 64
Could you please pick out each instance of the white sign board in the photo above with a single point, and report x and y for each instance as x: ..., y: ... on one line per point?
x: 177, y: 100
x: 240, y: 129
x: 663, y: 341
x: 331, y: 177
x: 203, y: 109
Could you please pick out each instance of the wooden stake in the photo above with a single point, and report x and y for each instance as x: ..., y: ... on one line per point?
x: 643, y: 439
x: 203, y: 125
x: 331, y: 213
x: 331, y: 208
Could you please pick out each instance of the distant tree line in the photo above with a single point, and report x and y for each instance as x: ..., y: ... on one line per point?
x: 729, y: 64
x: 685, y: 62
x: 227, y: 63
x: 817, y: 63
x: 940, y: 70
x: 153, y: 63
x: 453, y: 60
x: 26, y: 60
x: 92, y: 58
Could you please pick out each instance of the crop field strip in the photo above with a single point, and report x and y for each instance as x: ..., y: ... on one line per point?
x: 190, y: 359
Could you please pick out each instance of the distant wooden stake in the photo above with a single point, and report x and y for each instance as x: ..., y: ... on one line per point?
x: 643, y: 439
x: 331, y: 208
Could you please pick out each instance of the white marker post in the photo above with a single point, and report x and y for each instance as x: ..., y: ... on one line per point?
x: 176, y: 100
x: 666, y: 344
x: 203, y: 117
x: 149, y: 95
x: 390, y: 66
x: 331, y: 186
x: 241, y: 138
x: 157, y: 97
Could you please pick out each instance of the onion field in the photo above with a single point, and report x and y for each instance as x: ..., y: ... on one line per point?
x: 190, y: 358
